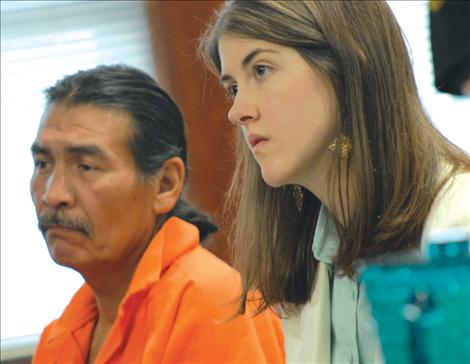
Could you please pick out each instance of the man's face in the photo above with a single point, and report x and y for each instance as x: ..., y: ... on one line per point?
x: 94, y: 209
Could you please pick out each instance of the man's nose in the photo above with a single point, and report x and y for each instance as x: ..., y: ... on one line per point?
x: 57, y: 193
x: 243, y: 110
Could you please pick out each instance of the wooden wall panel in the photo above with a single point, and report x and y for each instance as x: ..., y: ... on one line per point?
x: 176, y: 27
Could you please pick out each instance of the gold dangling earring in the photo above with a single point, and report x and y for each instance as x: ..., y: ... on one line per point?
x: 346, y: 146
x: 298, y: 194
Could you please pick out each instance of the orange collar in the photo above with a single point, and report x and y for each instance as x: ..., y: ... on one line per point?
x: 174, y: 239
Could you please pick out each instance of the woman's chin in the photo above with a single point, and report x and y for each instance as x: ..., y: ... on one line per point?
x: 273, y: 180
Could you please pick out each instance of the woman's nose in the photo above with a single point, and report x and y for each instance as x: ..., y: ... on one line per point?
x: 243, y: 110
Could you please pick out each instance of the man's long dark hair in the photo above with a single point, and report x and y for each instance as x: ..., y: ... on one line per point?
x: 158, y: 125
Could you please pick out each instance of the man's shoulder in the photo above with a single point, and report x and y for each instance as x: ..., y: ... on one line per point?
x: 206, y: 271
x: 187, y: 263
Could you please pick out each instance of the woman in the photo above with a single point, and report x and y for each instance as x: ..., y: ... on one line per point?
x: 336, y: 156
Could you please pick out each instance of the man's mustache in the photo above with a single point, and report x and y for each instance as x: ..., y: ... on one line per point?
x: 59, y: 218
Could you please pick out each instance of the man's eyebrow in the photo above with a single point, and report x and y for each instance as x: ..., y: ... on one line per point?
x: 90, y: 150
x: 246, y: 61
x: 37, y: 149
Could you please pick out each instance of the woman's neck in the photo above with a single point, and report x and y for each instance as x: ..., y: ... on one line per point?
x: 340, y: 198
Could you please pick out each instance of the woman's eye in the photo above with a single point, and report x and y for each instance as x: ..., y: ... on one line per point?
x: 262, y: 70
x: 232, y: 90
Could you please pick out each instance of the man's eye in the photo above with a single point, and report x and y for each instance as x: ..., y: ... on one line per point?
x: 232, y: 90
x: 262, y: 70
x: 40, y: 164
x: 85, y: 167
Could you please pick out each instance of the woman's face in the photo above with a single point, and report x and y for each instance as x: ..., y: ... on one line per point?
x: 284, y: 106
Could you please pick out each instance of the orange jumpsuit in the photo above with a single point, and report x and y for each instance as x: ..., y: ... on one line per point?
x: 175, y: 310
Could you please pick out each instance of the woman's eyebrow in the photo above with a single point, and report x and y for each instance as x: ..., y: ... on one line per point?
x: 247, y: 59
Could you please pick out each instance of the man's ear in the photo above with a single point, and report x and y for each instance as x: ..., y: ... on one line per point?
x: 168, y: 185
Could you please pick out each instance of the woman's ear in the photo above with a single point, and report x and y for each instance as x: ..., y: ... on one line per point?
x: 168, y: 185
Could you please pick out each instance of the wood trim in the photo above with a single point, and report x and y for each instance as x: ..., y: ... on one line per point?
x: 175, y: 28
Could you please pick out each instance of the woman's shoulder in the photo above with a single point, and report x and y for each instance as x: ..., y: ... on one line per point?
x: 451, y: 207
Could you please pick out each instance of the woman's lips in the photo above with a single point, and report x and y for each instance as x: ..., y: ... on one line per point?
x: 256, y: 141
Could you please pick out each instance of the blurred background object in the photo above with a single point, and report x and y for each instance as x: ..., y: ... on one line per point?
x: 450, y: 41
x: 421, y: 308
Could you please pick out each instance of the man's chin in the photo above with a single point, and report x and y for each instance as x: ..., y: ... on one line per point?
x: 64, y: 252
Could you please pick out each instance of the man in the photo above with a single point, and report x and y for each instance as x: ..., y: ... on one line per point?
x: 110, y: 165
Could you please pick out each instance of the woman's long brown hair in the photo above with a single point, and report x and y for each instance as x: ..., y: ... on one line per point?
x: 396, y: 152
